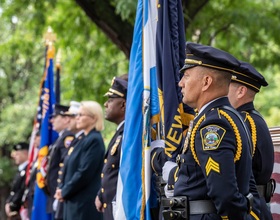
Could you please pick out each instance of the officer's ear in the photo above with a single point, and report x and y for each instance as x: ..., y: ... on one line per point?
x: 241, y: 91
x: 123, y: 105
x: 207, y: 81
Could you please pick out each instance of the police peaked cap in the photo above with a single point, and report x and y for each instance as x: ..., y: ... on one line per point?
x: 21, y: 146
x: 60, y: 110
x: 247, y: 75
x: 118, y: 88
x: 207, y: 56
x: 73, y: 108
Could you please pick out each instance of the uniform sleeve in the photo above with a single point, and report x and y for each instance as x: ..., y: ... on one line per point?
x: 215, y: 150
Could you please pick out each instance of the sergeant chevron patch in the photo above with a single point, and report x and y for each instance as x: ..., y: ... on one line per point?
x: 212, y: 165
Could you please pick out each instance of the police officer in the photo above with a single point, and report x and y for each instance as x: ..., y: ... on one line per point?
x: 114, y: 112
x: 14, y: 201
x: 72, y: 113
x: 245, y: 84
x: 57, y: 152
x: 215, y: 170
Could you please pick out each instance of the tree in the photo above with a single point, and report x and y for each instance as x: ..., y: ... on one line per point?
x: 248, y: 31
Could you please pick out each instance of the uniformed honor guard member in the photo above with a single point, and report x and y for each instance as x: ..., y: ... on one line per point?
x: 14, y: 201
x: 215, y: 170
x: 245, y: 84
x: 114, y: 112
x: 72, y: 113
x: 57, y: 151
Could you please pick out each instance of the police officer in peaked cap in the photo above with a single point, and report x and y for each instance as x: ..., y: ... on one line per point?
x: 79, y: 134
x: 245, y: 84
x: 214, y: 179
x: 14, y: 201
x: 57, y: 151
x: 115, y: 113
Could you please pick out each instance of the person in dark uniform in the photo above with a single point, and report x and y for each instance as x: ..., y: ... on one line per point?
x: 245, y: 84
x: 14, y: 201
x: 57, y: 151
x: 72, y: 113
x: 82, y: 170
x: 114, y: 112
x: 215, y: 175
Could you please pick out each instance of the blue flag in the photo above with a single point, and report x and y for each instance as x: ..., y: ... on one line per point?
x: 170, y: 42
x: 142, y: 110
x: 48, y: 136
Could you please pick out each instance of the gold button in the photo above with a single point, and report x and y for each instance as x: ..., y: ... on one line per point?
x: 59, y: 172
x: 102, y: 190
x: 104, y: 205
x: 113, y: 165
x: 61, y: 164
x: 102, y: 175
x: 105, y: 160
x: 58, y: 180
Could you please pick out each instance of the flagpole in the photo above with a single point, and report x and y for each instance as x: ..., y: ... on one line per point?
x: 57, y: 81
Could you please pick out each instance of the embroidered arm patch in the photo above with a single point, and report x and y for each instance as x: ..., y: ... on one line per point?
x: 212, y: 165
x: 67, y: 141
x: 212, y: 136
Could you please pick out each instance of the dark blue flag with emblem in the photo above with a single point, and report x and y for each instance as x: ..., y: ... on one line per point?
x: 48, y: 136
x: 170, y: 56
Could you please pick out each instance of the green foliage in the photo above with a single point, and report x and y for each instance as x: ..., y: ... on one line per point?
x: 89, y: 60
x: 248, y: 30
x: 7, y: 171
x: 126, y: 8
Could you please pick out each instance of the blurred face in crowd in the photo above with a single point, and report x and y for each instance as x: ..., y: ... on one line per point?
x: 20, y: 156
x: 73, y: 124
x: 59, y: 122
x: 115, y: 110
x: 37, y: 141
x: 85, y: 120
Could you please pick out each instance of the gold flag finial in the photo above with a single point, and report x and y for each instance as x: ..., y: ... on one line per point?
x: 49, y: 36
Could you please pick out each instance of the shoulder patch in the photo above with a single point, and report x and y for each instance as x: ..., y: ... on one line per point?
x: 211, y: 136
x: 67, y: 141
x: 115, y: 145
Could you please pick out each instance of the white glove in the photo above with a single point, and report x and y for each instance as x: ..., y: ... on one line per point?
x: 114, y: 209
x: 168, y: 166
x: 168, y: 193
x: 157, y: 143
x: 54, y: 205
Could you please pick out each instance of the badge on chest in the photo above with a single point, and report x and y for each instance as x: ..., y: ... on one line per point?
x: 116, y: 145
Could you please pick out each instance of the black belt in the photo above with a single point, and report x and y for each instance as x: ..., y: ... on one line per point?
x: 194, y: 207
x: 202, y: 207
